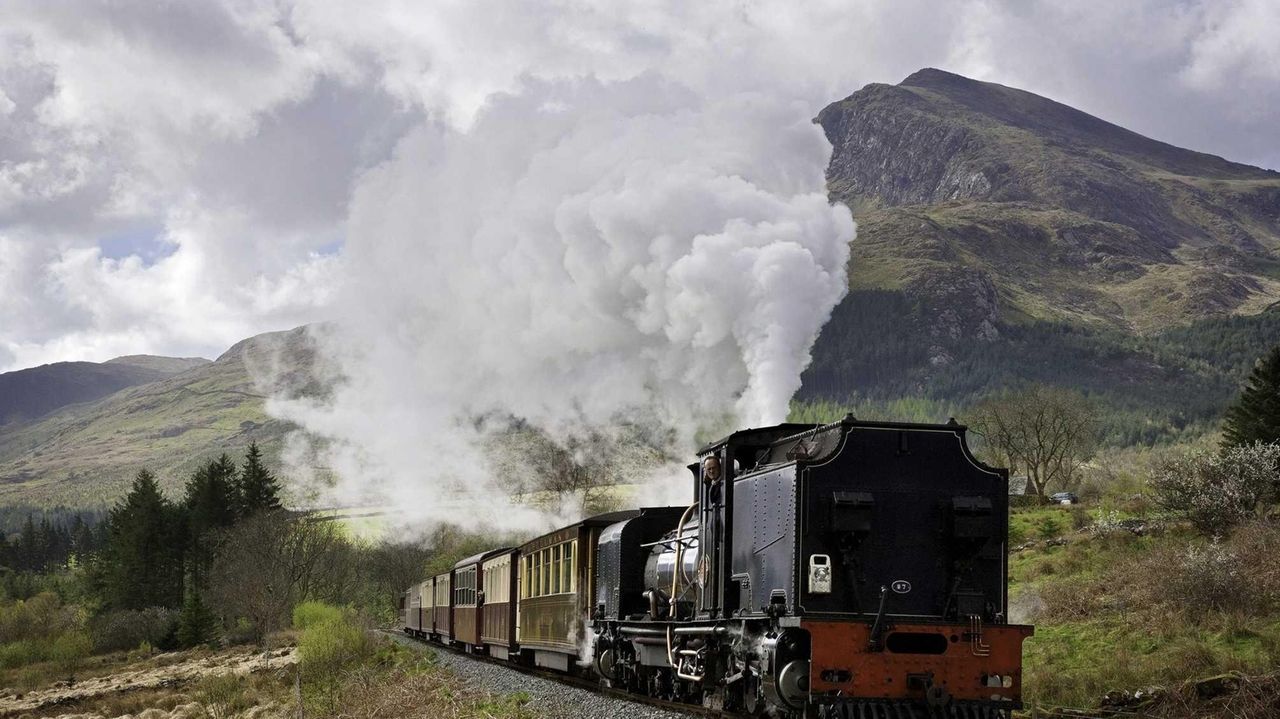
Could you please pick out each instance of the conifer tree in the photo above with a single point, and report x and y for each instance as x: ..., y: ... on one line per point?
x: 27, y: 540
x: 196, y: 623
x: 209, y: 504
x: 142, y: 564
x: 211, y: 496
x: 1255, y: 417
x: 259, y: 490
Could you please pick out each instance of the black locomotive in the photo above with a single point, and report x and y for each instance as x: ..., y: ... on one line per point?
x: 850, y: 569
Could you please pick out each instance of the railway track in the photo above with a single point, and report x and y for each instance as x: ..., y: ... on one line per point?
x: 646, y: 706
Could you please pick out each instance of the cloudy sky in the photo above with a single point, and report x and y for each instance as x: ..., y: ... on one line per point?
x: 175, y: 176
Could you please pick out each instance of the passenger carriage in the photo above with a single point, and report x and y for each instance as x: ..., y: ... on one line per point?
x: 557, y: 591
x: 499, y: 574
x: 442, y: 607
x: 469, y: 597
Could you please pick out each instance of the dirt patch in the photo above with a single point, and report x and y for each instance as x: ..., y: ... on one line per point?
x: 177, y: 673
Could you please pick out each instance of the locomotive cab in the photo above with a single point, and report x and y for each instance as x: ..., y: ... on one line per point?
x: 870, y: 558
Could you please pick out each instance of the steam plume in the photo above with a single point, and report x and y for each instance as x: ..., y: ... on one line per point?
x: 584, y: 254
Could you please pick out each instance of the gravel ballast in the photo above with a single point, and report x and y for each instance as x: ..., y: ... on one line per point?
x: 548, y: 698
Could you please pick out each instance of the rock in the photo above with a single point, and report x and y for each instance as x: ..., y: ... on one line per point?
x: 1217, y: 686
x: 1124, y: 699
x: 190, y: 710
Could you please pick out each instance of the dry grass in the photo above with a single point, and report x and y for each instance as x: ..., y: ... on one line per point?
x: 427, y: 693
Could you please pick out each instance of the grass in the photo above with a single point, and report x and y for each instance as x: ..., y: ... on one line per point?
x: 1112, y: 613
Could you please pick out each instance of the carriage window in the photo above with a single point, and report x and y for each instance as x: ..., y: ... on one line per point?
x: 555, y: 569
x: 536, y: 589
x: 566, y: 571
x: 524, y: 577
x: 543, y: 576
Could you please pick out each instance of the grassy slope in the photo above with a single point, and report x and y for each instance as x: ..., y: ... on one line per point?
x: 1111, y: 643
x: 86, y: 455
x: 34, y: 392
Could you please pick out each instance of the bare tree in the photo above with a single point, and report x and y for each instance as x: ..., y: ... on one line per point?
x: 1046, y: 432
x: 581, y: 471
x: 577, y: 469
x: 269, y: 563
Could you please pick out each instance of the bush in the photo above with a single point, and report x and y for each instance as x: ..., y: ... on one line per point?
x: 1217, y: 491
x: 310, y: 614
x: 1048, y: 527
x: 224, y: 695
x: 332, y: 643
x: 1027, y: 500
x: 325, y: 649
x: 19, y: 653
x: 39, y: 617
x: 129, y: 628
x: 1080, y: 517
x: 70, y: 650
x: 1208, y: 577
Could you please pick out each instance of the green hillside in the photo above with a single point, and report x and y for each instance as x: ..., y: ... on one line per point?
x: 86, y: 454
x: 30, y: 393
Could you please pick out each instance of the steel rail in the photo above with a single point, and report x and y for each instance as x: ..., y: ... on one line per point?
x: 590, y: 685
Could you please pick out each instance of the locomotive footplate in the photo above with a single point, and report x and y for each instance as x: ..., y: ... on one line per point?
x: 951, y: 670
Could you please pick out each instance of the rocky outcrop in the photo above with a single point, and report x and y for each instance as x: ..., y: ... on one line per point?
x: 1054, y: 208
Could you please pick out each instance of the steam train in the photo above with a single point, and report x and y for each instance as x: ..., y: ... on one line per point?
x: 854, y: 569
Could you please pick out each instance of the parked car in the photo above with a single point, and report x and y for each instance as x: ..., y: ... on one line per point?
x: 1064, y: 498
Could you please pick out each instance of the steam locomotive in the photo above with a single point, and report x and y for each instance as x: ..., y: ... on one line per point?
x: 852, y: 569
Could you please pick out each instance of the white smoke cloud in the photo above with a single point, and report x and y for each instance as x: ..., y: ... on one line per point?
x: 584, y: 254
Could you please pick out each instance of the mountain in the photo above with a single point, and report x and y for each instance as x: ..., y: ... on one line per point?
x: 30, y: 393
x: 165, y: 365
x: 1004, y: 237
x: 86, y: 454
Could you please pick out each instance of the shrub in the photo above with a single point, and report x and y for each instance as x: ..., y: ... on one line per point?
x: 1208, y: 577
x: 1217, y: 491
x: 326, y: 648
x: 70, y: 650
x: 1258, y: 546
x: 19, y: 653
x: 310, y: 614
x: 129, y: 628
x: 1080, y: 517
x: 39, y: 617
x: 331, y: 644
x: 1048, y: 527
x: 224, y: 695
x: 1027, y: 500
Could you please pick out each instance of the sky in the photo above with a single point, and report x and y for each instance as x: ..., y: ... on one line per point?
x: 177, y: 176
